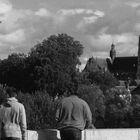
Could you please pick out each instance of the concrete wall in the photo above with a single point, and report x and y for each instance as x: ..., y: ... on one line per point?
x: 90, y: 134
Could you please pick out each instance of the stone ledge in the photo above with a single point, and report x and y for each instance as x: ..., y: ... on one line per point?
x: 88, y: 134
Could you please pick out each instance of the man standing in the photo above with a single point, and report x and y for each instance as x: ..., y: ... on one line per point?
x: 12, y: 118
x: 73, y: 115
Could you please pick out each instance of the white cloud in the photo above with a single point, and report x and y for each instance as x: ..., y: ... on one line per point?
x: 99, y: 13
x: 89, y: 11
x: 137, y: 28
x: 5, y: 7
x: 99, y: 46
x: 100, y: 41
x: 133, y: 4
x: 124, y: 38
x: 100, y: 54
x: 70, y: 12
x: 85, y: 22
x: 59, y: 20
x: 15, y: 37
x: 127, y: 49
x: 91, y: 19
x: 43, y: 12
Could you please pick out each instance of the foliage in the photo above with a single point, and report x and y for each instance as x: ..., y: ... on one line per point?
x: 50, y: 69
x: 12, y: 71
x: 136, y: 110
x: 104, y: 79
x: 118, y: 111
x: 40, y: 110
x: 50, y: 65
x: 2, y: 93
x: 95, y: 98
x: 57, y: 59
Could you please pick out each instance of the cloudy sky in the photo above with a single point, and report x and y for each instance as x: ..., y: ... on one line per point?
x: 95, y: 23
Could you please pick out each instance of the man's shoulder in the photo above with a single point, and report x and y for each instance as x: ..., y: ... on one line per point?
x: 20, y: 105
x: 80, y: 100
x: 73, y: 98
x: 83, y: 101
x: 65, y: 99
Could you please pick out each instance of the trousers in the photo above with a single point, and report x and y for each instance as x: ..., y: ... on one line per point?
x: 70, y: 133
x: 10, y: 138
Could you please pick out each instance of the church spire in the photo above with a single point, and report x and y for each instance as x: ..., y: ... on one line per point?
x: 138, y: 65
x: 112, y: 52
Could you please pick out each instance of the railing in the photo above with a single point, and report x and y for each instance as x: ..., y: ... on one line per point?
x: 89, y: 134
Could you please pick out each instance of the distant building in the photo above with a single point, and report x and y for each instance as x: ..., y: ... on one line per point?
x: 95, y: 64
x: 124, y: 67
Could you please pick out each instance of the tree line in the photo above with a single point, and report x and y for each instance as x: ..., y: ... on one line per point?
x: 49, y: 69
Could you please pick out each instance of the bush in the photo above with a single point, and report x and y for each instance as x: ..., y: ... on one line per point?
x: 95, y: 99
x: 40, y: 110
x: 2, y: 93
x: 118, y: 110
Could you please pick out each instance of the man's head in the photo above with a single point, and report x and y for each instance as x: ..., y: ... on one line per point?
x: 11, y: 92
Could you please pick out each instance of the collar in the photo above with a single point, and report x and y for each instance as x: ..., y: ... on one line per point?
x: 75, y: 96
x: 12, y: 99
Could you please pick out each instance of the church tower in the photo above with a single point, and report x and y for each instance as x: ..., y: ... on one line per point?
x: 138, y: 65
x: 112, y: 52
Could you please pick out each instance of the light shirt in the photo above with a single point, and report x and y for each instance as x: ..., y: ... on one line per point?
x: 13, y: 119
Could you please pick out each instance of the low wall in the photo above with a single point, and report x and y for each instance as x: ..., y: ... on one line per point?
x: 89, y: 134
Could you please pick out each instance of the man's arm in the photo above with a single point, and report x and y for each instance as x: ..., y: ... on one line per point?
x: 88, y: 117
x: 58, y: 110
x: 23, y: 124
x: 0, y: 122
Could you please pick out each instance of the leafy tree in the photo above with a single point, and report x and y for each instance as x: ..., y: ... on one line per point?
x: 12, y: 70
x: 104, y: 79
x: 50, y: 65
x: 95, y: 98
x: 53, y: 63
x: 118, y: 111
x: 136, y: 111
x: 40, y: 110
x: 93, y: 73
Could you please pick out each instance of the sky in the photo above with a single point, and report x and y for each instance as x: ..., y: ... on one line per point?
x: 95, y: 23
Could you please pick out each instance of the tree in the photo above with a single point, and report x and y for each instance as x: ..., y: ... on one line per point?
x: 12, y: 70
x: 94, y: 73
x: 118, y: 111
x: 95, y: 98
x: 53, y: 63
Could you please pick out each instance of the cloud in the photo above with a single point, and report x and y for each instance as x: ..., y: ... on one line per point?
x: 43, y: 12
x: 116, y: 20
x: 99, y: 46
x: 85, y: 21
x: 133, y: 4
x: 70, y: 12
x: 5, y: 7
x: 124, y: 38
x: 100, y: 43
x: 90, y: 19
x: 99, y: 13
x: 94, y: 23
x: 137, y: 28
x: 15, y: 37
x: 99, y: 54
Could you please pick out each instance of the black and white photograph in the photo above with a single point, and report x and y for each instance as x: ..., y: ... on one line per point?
x: 69, y: 69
